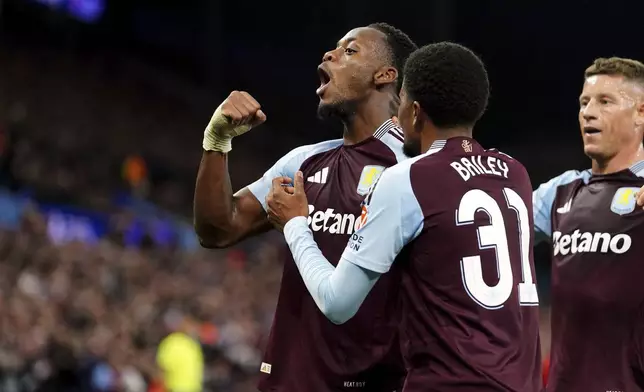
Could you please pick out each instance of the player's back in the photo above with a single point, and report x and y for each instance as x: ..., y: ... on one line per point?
x: 470, y: 315
x: 597, y: 291
x: 306, y: 351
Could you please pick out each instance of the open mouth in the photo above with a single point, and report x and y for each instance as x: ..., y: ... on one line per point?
x: 591, y: 130
x: 325, y: 78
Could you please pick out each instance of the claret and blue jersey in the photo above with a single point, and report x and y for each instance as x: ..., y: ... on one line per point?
x: 597, y: 290
x: 305, y: 350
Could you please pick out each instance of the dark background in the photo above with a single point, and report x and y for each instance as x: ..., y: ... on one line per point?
x: 535, y: 53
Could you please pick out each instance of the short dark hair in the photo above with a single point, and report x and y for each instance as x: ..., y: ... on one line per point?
x: 629, y: 69
x: 449, y: 82
x: 400, y: 47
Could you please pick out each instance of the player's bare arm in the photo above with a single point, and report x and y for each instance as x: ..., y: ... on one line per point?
x: 222, y: 218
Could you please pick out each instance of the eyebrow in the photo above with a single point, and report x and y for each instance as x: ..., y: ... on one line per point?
x: 347, y: 41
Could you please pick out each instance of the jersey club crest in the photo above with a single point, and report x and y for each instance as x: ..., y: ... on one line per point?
x: 370, y: 174
x: 624, y: 201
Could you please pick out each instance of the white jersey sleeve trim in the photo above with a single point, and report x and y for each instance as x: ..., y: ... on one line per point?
x: 287, y: 166
x: 391, y: 218
x: 544, y: 197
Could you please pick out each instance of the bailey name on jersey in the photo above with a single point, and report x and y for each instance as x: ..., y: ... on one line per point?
x: 476, y: 165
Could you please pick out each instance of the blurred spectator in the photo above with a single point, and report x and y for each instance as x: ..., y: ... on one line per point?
x: 181, y: 360
x: 83, y: 317
x: 135, y: 172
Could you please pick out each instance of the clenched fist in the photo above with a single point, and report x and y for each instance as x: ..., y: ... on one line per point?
x: 236, y: 115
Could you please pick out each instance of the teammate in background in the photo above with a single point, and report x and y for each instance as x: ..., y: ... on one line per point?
x: 359, y: 85
x: 591, y: 216
x: 458, y: 219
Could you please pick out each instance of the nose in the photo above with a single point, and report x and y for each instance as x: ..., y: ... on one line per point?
x: 329, y: 56
x: 589, y: 112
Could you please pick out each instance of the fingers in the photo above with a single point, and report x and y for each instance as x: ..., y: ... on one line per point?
x: 279, y: 181
x: 241, y: 108
x: 299, y: 183
x: 260, y: 117
x: 639, y: 195
x: 251, y: 106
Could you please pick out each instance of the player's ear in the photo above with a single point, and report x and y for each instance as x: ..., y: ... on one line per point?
x: 417, y: 121
x: 639, y: 114
x: 385, y: 75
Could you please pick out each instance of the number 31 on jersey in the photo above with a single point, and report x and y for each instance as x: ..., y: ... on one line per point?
x: 493, y: 236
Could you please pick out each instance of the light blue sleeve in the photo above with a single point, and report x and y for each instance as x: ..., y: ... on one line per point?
x: 543, y: 198
x: 287, y: 166
x: 391, y: 218
x: 338, y: 292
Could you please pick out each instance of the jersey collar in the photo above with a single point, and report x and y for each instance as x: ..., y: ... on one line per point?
x: 438, y: 144
x: 638, y: 168
x: 384, y: 128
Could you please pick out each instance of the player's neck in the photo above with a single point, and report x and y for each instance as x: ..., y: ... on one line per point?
x: 428, y: 137
x: 619, y: 162
x: 368, y: 117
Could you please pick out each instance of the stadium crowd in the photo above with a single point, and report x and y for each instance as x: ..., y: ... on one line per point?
x: 89, y: 318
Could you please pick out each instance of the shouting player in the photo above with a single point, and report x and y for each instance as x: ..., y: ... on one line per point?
x: 458, y: 219
x: 359, y: 85
x: 597, y: 293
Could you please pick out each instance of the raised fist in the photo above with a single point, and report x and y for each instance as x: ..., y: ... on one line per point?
x: 236, y: 115
x: 239, y: 113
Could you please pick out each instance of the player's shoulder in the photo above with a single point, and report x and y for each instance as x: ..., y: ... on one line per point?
x: 401, y: 170
x: 399, y: 175
x: 391, y: 135
x: 516, y: 167
x: 316, y: 148
x: 567, y: 178
x: 302, y: 153
x: 434, y: 156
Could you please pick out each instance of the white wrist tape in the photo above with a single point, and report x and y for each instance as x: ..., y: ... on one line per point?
x: 219, y: 133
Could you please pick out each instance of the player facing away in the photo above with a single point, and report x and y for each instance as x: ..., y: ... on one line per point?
x: 591, y: 216
x: 359, y: 85
x: 458, y: 219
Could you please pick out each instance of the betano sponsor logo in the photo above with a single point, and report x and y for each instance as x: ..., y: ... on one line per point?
x: 332, y: 222
x: 579, y: 242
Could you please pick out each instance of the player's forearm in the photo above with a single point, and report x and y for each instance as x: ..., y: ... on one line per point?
x: 214, y: 204
x: 213, y: 200
x: 338, y: 292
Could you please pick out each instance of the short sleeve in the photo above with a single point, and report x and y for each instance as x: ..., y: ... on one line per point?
x: 287, y: 166
x: 391, y: 218
x: 544, y: 197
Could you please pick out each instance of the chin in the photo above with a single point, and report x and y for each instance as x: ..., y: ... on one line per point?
x: 342, y: 109
x: 326, y: 110
x: 593, y: 152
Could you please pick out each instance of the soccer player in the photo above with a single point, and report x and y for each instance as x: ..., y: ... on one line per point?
x: 458, y: 219
x: 359, y: 85
x: 591, y: 216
